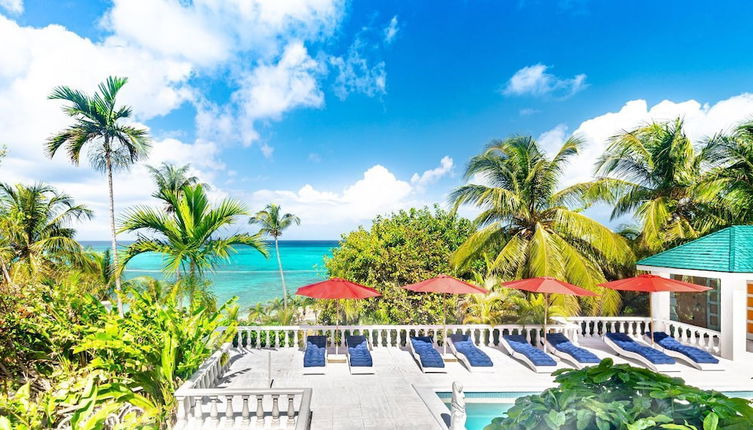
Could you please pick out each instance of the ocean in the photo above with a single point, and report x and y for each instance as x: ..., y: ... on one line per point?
x: 248, y: 274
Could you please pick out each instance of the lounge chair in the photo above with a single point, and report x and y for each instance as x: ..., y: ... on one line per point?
x: 568, y: 351
x: 652, y: 358
x: 696, y: 357
x: 315, y: 355
x: 474, y: 359
x: 359, y: 357
x: 428, y: 358
x: 519, y: 348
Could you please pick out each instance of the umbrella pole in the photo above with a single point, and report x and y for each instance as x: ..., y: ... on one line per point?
x: 444, y: 324
x: 651, y: 314
x: 546, y: 309
x: 337, y: 324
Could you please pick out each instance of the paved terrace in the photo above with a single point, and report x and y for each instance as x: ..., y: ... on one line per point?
x: 389, y: 399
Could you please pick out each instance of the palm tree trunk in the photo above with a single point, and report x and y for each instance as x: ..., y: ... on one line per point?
x: 6, y: 274
x: 282, y: 276
x: 108, y: 166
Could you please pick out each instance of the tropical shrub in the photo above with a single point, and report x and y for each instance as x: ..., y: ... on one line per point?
x: 621, y: 397
x: 403, y: 248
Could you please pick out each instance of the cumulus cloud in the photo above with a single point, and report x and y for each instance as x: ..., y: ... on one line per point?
x: 702, y: 120
x: 391, y: 30
x: 535, y: 81
x: 327, y: 213
x: 433, y: 175
x: 551, y: 140
x: 12, y: 6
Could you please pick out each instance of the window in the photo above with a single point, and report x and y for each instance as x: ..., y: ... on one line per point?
x: 699, y: 309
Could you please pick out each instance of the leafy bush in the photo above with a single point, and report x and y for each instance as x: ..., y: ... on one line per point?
x: 621, y: 397
x: 405, y: 247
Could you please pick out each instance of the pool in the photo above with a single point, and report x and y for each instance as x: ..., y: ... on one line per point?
x: 482, y: 407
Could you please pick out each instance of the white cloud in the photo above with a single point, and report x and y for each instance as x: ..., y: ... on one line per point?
x: 391, y: 30
x: 551, y: 140
x: 535, y: 81
x: 326, y: 213
x: 433, y: 175
x: 12, y: 6
x: 701, y: 121
x: 356, y: 74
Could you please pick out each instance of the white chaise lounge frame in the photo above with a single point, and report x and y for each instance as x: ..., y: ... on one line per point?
x: 637, y: 357
x: 467, y: 363
x: 360, y: 370
x: 521, y: 357
x: 418, y: 360
x: 684, y: 358
x: 563, y: 356
x: 317, y: 370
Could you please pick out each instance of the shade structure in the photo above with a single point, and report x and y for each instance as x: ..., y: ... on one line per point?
x: 648, y: 283
x: 336, y: 289
x: 447, y: 285
x: 548, y: 285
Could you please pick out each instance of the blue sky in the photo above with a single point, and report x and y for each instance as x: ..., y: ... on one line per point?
x: 342, y: 110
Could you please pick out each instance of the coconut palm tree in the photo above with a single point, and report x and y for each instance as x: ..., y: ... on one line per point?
x: 528, y: 225
x: 654, y: 173
x: 99, y: 126
x: 171, y: 179
x: 35, y: 228
x: 191, y: 237
x: 272, y: 224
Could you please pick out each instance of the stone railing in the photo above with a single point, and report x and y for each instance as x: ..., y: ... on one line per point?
x: 243, y: 408
x: 380, y: 336
x: 700, y: 337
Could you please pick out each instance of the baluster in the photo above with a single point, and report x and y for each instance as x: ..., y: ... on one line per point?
x: 259, y: 408
x: 229, y: 408
x: 240, y: 339
x: 197, y: 412
x: 332, y: 337
x: 184, y: 406
x: 275, y: 408
x: 528, y: 336
x: 295, y: 338
x: 213, y: 410
x: 258, y: 339
x: 291, y: 409
x: 245, y: 413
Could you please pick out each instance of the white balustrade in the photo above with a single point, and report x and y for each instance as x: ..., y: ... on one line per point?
x: 199, y: 408
x: 703, y: 338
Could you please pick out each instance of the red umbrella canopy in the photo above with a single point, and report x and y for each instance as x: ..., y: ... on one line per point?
x: 446, y: 285
x: 654, y: 284
x: 547, y: 285
x: 337, y: 288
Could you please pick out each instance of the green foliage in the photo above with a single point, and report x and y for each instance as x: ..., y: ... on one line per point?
x: 405, y: 247
x: 531, y: 228
x: 621, y: 397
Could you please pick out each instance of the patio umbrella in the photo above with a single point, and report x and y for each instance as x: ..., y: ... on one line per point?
x: 446, y: 285
x: 653, y: 284
x: 546, y: 285
x: 335, y: 289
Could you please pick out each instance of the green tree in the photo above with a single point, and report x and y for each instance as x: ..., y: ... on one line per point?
x: 35, y: 232
x: 527, y: 223
x: 654, y: 173
x: 402, y: 248
x: 100, y: 126
x: 190, y: 237
x: 171, y: 179
x: 273, y: 223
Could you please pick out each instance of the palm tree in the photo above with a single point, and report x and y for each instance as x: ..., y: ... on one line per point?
x: 272, y: 224
x: 171, y: 179
x: 730, y: 159
x: 527, y: 223
x: 190, y: 238
x: 35, y: 227
x: 654, y: 173
x: 111, y: 145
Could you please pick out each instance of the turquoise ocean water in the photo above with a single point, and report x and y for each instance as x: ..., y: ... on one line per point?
x: 248, y: 274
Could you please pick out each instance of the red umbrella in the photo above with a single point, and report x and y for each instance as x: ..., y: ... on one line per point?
x: 546, y: 285
x: 444, y: 284
x: 337, y: 288
x: 653, y: 284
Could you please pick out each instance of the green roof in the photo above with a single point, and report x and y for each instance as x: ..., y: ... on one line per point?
x: 727, y: 250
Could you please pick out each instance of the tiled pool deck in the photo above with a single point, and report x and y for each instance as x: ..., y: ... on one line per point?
x: 389, y: 398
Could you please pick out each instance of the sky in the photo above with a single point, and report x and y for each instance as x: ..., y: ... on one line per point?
x: 339, y: 111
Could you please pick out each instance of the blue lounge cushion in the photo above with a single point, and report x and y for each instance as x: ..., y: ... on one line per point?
x: 651, y: 354
x: 358, y: 350
x: 424, y: 347
x: 696, y: 354
x: 520, y: 345
x: 464, y: 345
x: 561, y: 343
x: 316, y: 348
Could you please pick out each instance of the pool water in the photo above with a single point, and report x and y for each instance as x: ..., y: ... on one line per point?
x: 482, y: 407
